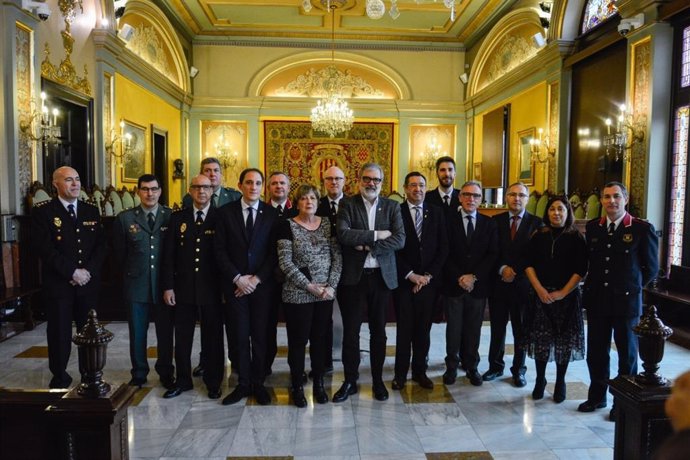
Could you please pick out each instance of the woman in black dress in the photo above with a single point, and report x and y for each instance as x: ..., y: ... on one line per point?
x: 557, y: 263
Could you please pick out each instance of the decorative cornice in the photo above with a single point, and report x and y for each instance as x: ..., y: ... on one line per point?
x: 65, y: 74
x: 373, y: 46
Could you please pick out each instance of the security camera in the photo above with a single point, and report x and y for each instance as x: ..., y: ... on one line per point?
x: 40, y: 9
x: 624, y: 27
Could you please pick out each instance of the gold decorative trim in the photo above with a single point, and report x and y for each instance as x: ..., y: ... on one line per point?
x: 554, y: 111
x: 147, y: 44
x: 640, y: 85
x: 24, y: 70
x: 315, y: 83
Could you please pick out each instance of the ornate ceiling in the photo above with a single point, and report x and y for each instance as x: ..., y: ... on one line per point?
x: 421, y: 22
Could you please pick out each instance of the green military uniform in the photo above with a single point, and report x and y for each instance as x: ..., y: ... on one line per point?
x: 137, y: 246
x: 225, y: 195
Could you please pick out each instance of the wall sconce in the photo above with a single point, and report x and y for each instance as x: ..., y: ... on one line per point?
x: 541, y: 149
x: 432, y: 152
x: 45, y: 129
x: 124, y: 140
x: 630, y: 129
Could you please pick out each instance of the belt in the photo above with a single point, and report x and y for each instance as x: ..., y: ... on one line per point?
x: 371, y: 271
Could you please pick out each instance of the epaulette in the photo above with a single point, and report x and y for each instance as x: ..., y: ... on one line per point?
x: 42, y: 203
x: 641, y: 221
x: 178, y: 210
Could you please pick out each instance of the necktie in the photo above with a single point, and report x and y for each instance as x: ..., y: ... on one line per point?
x: 470, y: 228
x: 250, y: 220
x: 215, y: 200
x: 199, y: 217
x: 612, y: 228
x: 334, y: 210
x: 446, y: 200
x: 152, y: 221
x: 72, y: 214
x: 418, y: 221
x: 513, y: 227
x: 279, y: 208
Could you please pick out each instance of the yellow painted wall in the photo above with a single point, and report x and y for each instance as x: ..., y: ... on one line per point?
x: 527, y: 110
x: 139, y: 106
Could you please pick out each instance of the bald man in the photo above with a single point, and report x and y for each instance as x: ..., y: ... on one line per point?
x: 68, y: 236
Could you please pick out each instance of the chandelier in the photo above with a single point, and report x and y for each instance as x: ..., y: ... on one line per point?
x: 331, y: 114
x: 375, y: 9
x: 223, y: 151
x: 432, y: 152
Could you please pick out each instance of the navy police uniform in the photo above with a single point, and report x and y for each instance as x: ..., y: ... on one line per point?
x: 621, y: 263
x: 65, y: 244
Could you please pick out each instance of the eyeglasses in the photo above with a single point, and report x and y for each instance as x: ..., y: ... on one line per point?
x: 515, y: 194
x: 476, y: 196
x: 334, y: 179
x: 149, y: 189
x: 369, y: 180
x: 201, y: 187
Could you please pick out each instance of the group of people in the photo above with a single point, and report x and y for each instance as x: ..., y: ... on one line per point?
x: 231, y: 261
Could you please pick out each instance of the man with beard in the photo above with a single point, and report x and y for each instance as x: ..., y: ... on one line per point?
x: 370, y: 230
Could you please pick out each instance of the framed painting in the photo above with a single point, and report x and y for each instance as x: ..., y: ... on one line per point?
x: 525, y: 163
x: 134, y: 162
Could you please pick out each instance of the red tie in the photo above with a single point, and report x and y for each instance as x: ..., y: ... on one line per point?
x: 513, y: 227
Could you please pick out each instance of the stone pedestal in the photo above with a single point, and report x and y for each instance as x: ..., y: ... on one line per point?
x: 92, y: 427
x: 641, y: 423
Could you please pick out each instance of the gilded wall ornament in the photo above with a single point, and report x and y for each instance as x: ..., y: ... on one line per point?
x: 316, y: 83
x: 513, y: 51
x: 147, y: 44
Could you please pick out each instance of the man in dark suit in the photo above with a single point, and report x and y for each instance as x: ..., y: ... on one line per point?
x: 333, y: 182
x: 278, y: 187
x: 189, y: 279
x: 247, y: 256
x: 623, y: 258
x: 370, y: 230
x: 445, y: 195
x: 68, y: 237
x: 138, y: 235
x: 472, y: 253
x: 419, y: 265
x: 510, y: 296
x: 211, y: 168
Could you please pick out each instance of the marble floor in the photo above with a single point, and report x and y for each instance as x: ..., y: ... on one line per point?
x: 459, y: 421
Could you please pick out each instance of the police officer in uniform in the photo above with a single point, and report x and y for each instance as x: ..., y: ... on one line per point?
x: 190, y: 281
x: 137, y: 239
x: 623, y: 258
x: 68, y: 236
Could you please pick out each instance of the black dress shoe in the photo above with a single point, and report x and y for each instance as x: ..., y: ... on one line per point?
x: 379, y: 391
x: 612, y: 413
x: 519, y: 380
x: 538, y: 391
x: 329, y: 368
x: 136, y: 382
x: 423, y: 380
x: 261, y: 395
x: 491, y: 375
x: 56, y: 382
x: 198, y: 371
x: 319, y: 392
x: 475, y: 378
x: 240, y: 392
x: 298, y: 399
x: 590, y: 406
x: 168, y: 383
x: 345, y: 390
x: 559, y: 392
x: 214, y: 393
x: 450, y: 376
x: 175, y: 392
x: 398, y: 383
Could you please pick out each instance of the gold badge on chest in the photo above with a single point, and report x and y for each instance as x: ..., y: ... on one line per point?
x: 627, y: 238
x: 57, y: 222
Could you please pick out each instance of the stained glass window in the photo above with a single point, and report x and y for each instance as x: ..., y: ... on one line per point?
x: 679, y: 174
x: 685, y: 60
x: 596, y: 12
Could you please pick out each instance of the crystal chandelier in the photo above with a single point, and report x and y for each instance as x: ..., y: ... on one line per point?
x: 331, y: 114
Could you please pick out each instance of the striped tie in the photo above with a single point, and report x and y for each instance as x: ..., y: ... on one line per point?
x: 418, y: 221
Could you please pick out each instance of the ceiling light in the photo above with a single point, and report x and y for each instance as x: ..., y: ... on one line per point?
x: 375, y: 9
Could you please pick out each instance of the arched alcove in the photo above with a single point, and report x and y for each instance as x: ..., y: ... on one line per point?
x: 154, y: 40
x: 301, y: 75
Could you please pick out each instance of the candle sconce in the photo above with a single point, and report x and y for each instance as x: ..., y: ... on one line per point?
x: 123, y: 141
x: 630, y: 129
x: 541, y: 148
x: 41, y: 125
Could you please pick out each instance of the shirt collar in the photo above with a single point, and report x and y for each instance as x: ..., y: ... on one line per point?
x: 154, y: 210
x: 244, y: 204
x: 615, y: 222
x: 337, y: 199
x: 465, y: 214
x: 412, y: 206
x: 204, y: 209
x: 66, y: 203
x: 521, y: 214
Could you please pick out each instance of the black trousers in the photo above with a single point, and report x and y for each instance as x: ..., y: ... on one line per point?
x: 463, y: 330
x: 211, y: 342
x: 307, y: 322
x: 60, y: 313
x: 373, y: 296
x: 599, y: 331
x: 272, y: 325
x: 251, y: 314
x: 500, y: 310
x: 414, y: 314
